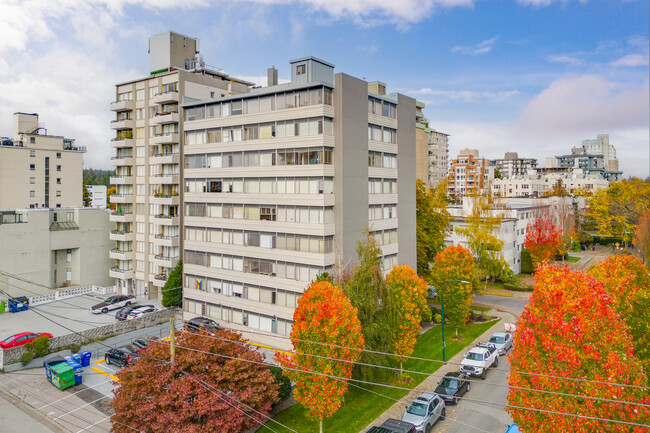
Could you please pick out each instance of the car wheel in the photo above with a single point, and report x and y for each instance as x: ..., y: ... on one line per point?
x: 496, y: 361
x: 104, y: 310
x: 127, y: 304
x: 483, y: 374
x: 468, y: 387
x: 427, y: 429
x: 108, y: 360
x: 443, y: 414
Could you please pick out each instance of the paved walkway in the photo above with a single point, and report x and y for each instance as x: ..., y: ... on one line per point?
x: 430, y: 383
x: 15, y: 417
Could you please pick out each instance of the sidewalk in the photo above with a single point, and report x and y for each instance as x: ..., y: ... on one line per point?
x: 430, y: 383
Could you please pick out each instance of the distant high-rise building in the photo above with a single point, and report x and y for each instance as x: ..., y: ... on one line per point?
x: 593, y: 156
x: 38, y: 170
x: 438, y: 157
x: 97, y: 195
x: 512, y: 165
x: 468, y: 174
x: 431, y: 150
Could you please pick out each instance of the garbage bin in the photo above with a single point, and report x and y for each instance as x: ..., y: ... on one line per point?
x: 72, y: 363
x: 51, y: 362
x: 2, y: 307
x: 19, y: 303
x: 76, y: 357
x: 77, y: 378
x: 85, y: 359
x: 62, y: 376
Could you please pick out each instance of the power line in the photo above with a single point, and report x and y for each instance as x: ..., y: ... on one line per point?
x: 431, y: 374
x: 406, y: 389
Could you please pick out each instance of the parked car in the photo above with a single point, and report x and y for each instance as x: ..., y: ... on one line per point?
x: 392, y: 425
x: 453, y: 386
x: 203, y: 323
x: 142, y: 342
x: 424, y: 411
x: 479, y: 359
x: 502, y: 341
x: 112, y: 303
x: 121, y: 356
x: 140, y: 311
x: 22, y: 338
x: 123, y: 312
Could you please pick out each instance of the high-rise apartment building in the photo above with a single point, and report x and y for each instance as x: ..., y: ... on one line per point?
x: 279, y: 184
x: 593, y: 156
x: 468, y: 173
x: 149, y: 143
x: 431, y: 150
x: 438, y: 157
x: 511, y: 165
x: 38, y: 170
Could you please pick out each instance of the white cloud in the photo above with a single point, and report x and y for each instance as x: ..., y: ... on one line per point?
x: 542, y: 3
x: 480, y: 48
x: 632, y: 60
x: 571, y: 59
x: 461, y: 95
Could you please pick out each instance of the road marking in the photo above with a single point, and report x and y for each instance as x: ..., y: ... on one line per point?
x: 74, y: 410
x: 70, y: 395
x: 104, y: 373
x: 92, y: 425
x: 269, y: 348
x: 99, y: 361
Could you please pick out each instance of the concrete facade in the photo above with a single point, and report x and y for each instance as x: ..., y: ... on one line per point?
x: 511, y: 165
x: 279, y: 185
x: 431, y: 150
x: 56, y: 247
x: 38, y: 170
x: 97, y: 196
x: 593, y: 156
x: 536, y: 183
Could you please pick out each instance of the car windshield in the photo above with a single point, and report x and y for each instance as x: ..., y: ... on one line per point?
x: 474, y: 356
x: 449, y: 383
x: 497, y: 339
x: 418, y: 409
x: 109, y: 300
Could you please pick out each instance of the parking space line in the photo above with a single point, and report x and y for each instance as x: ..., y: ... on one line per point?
x: 92, y: 425
x: 70, y: 395
x: 80, y: 407
x: 102, y: 372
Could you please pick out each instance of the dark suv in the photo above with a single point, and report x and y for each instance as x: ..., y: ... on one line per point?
x: 203, y: 323
x: 121, y: 356
x: 392, y: 425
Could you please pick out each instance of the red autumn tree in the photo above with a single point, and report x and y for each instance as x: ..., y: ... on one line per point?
x: 627, y: 281
x: 154, y: 397
x: 543, y: 240
x: 408, y: 308
x: 455, y: 263
x: 570, y: 329
x: 324, y: 315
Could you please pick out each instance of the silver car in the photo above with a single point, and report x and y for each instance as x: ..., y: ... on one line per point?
x: 424, y: 411
x: 503, y: 342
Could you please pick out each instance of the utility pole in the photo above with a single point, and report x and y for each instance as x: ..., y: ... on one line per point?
x: 172, y: 346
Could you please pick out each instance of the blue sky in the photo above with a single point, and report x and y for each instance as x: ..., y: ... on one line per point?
x: 532, y: 76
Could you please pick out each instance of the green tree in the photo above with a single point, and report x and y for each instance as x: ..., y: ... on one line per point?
x: 173, y: 289
x: 97, y: 177
x: 86, y: 196
x: 479, y: 232
x: 433, y: 223
x: 455, y: 263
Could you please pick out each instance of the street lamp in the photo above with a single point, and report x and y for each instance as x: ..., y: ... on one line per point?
x: 442, y: 309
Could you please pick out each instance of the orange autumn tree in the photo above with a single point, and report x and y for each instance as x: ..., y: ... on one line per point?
x: 408, y: 304
x: 543, y: 240
x: 455, y: 263
x: 324, y: 315
x: 570, y: 329
x: 627, y: 281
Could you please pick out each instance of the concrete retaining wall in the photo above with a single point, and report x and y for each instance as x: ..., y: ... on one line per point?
x: 63, y: 294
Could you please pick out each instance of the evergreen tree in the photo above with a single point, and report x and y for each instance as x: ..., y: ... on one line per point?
x: 173, y: 290
x: 86, y: 196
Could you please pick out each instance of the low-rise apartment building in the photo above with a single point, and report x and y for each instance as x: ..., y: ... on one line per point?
x: 537, y: 183
x: 468, y: 174
x: 511, y: 165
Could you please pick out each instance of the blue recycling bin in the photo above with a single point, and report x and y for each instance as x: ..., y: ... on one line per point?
x: 76, y: 357
x: 77, y: 378
x: 85, y: 359
x: 72, y: 363
x: 17, y: 304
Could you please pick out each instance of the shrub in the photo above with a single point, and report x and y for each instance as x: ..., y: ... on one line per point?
x: 517, y: 288
x: 526, y: 262
x: 437, y: 318
x: 27, y: 356
x: 283, y: 382
x: 41, y: 346
x: 74, y: 348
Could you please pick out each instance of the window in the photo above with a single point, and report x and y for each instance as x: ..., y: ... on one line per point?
x: 32, y: 140
x: 32, y: 167
x: 58, y: 168
x: 301, y: 69
x: 32, y: 180
x: 32, y: 153
x: 58, y: 155
x: 58, y: 193
x: 32, y: 194
x: 139, y: 94
x: 58, y: 180
x: 68, y: 255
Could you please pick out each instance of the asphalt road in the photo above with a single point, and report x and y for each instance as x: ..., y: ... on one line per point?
x: 513, y: 305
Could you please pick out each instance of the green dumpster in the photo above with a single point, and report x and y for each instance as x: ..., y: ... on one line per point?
x: 2, y: 307
x: 63, y: 376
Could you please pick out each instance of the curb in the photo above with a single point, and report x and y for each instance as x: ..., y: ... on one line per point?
x: 32, y: 412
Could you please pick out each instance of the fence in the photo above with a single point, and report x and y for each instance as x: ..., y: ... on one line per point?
x: 64, y: 294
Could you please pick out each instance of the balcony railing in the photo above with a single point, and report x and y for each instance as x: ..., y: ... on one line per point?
x: 167, y: 258
x: 117, y: 250
x: 122, y: 157
x: 120, y: 270
x: 121, y: 232
x: 166, y: 174
x: 165, y: 216
x: 165, y: 154
x: 166, y: 237
x: 161, y: 277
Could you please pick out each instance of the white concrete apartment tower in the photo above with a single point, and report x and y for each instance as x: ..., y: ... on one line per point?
x: 280, y: 183
x: 148, y: 159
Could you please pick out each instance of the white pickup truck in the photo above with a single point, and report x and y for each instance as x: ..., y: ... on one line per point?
x: 479, y: 359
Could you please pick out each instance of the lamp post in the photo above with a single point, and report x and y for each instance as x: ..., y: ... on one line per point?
x: 442, y: 309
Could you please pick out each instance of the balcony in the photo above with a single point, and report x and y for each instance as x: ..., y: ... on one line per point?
x: 165, y: 138
x: 160, y: 280
x: 122, y: 198
x: 120, y: 273
x: 166, y: 261
x: 165, y: 158
x: 164, y: 118
x: 165, y: 179
x: 122, y: 160
x: 123, y: 105
x: 122, y: 217
x: 167, y: 241
x: 166, y: 199
x: 120, y: 235
x: 165, y: 98
x: 119, y: 254
x: 121, y: 179
x: 166, y: 220
x: 121, y: 142
x: 122, y: 124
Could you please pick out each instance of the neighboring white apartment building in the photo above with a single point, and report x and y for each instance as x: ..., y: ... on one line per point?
x: 517, y: 213
x: 279, y: 184
x: 536, y: 183
x: 55, y: 248
x: 511, y: 165
x: 38, y: 170
x: 149, y: 151
x: 97, y: 195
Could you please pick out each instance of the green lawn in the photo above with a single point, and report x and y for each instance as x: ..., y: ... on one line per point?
x: 572, y: 259
x: 361, y: 407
